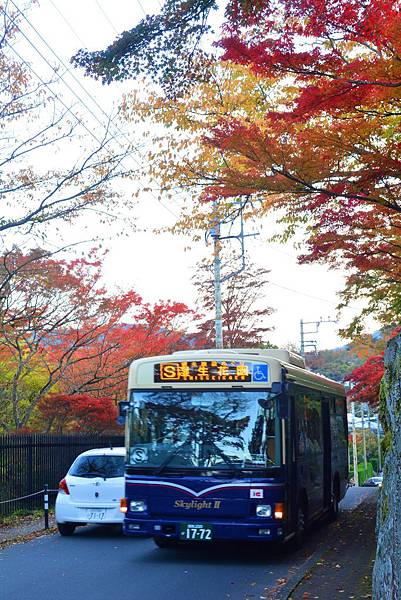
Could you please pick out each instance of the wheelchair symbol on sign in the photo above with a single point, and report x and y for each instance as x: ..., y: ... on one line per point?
x: 259, y: 373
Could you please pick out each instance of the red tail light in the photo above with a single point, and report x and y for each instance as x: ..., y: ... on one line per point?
x: 63, y: 487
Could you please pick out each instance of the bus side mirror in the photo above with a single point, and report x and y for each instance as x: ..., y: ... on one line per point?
x: 279, y: 390
x: 122, y: 411
x: 277, y: 387
x: 283, y: 406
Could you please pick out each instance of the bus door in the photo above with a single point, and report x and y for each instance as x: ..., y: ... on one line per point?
x: 327, y: 475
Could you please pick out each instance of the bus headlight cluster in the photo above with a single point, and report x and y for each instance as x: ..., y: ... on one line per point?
x: 263, y: 510
x: 138, y: 506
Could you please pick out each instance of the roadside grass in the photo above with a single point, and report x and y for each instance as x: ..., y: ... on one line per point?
x: 22, y: 516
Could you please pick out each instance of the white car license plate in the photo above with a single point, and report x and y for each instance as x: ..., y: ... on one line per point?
x: 95, y: 515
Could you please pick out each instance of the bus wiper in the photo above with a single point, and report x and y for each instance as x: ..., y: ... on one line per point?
x: 168, y: 460
x: 218, y: 452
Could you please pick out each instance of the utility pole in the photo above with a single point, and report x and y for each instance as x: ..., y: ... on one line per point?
x: 311, y: 343
x: 217, y: 287
x: 354, y: 447
x: 365, y: 460
x: 215, y: 233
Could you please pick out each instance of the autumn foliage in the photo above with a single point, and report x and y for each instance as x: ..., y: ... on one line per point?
x: 365, y: 381
x: 81, y: 413
x: 332, y: 150
x: 62, y: 331
x: 302, y: 114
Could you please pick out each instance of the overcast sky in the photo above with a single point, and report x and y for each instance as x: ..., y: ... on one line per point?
x: 161, y: 266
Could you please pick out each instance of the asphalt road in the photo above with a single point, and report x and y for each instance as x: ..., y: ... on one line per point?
x: 98, y: 563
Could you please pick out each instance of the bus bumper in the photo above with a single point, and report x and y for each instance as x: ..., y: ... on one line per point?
x: 221, y: 530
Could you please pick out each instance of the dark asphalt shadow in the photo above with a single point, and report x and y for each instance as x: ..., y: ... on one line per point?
x: 216, y: 554
x: 97, y: 531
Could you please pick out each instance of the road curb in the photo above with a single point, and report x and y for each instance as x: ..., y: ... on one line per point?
x: 27, y: 537
x: 286, y: 590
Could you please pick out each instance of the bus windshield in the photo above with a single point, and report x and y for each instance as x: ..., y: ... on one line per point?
x: 221, y: 429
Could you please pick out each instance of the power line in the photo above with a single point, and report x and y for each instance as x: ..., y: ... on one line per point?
x: 81, y: 85
x: 80, y: 40
x: 143, y: 10
x: 106, y: 16
x: 141, y: 7
x: 67, y: 70
x: 60, y: 77
x: 69, y: 110
x: 311, y: 296
x: 46, y: 84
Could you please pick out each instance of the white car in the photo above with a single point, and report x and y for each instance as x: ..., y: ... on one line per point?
x: 91, y: 490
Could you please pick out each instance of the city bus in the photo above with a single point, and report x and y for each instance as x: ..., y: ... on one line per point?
x: 242, y: 444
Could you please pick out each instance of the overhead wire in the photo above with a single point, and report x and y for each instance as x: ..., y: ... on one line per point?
x: 69, y: 71
x: 47, y: 85
x: 141, y: 7
x: 78, y: 97
x: 80, y: 40
x: 106, y: 16
x: 312, y: 296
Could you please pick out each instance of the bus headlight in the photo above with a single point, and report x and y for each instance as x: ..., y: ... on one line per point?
x: 263, y: 510
x: 138, y: 506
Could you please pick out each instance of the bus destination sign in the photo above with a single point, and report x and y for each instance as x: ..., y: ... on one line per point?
x: 209, y: 371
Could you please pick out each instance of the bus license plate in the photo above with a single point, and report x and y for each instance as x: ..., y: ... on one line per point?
x: 196, y: 531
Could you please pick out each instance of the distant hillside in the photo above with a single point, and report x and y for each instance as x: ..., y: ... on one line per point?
x: 335, y: 364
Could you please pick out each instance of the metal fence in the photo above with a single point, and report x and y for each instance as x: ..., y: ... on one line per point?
x: 28, y: 462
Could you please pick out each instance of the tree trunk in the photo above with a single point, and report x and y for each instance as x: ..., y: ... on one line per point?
x: 387, y: 568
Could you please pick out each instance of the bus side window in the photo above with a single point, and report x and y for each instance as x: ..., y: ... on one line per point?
x: 301, y: 426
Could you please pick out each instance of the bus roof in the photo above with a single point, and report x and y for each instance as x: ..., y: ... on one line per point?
x: 142, y: 370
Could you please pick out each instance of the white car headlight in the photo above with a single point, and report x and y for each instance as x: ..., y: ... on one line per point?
x: 263, y: 510
x: 138, y: 506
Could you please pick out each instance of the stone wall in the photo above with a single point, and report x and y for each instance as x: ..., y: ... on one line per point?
x: 387, y: 568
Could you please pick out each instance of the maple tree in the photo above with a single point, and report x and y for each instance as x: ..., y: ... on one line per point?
x: 164, y: 45
x: 306, y: 121
x: 50, y: 310
x: 340, y: 363
x: 365, y: 379
x: 61, y: 330
x: 331, y: 152
x: 81, y: 413
x: 160, y: 328
x: 36, y: 123
x: 177, y: 155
